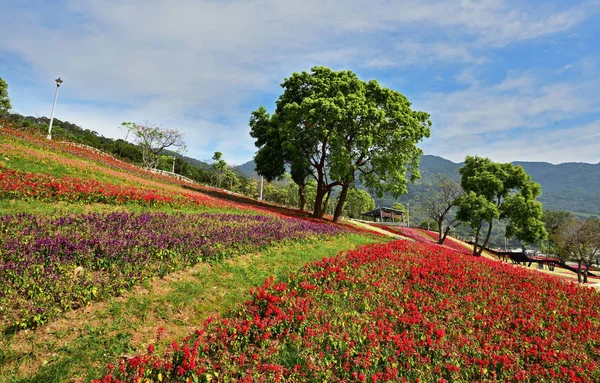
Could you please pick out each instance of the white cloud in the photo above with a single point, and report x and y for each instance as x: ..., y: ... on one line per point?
x: 413, y: 52
x: 573, y: 144
x: 516, y: 102
x: 197, y: 64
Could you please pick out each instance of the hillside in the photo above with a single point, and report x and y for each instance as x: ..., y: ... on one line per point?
x: 111, y: 270
x: 83, y: 233
x: 570, y: 186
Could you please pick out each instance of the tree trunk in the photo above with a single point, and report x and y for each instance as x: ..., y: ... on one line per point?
x: 579, y: 271
x: 487, y: 239
x: 445, y: 234
x: 341, y: 200
x: 585, y: 272
x: 324, y: 208
x: 475, y: 252
x: 302, y: 197
x: 318, y: 212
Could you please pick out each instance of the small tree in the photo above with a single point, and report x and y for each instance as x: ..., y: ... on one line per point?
x: 399, y: 206
x: 153, y: 139
x: 553, y: 220
x: 358, y: 201
x: 4, y: 99
x: 579, y: 241
x: 219, y: 169
x: 439, y: 203
x: 499, y: 191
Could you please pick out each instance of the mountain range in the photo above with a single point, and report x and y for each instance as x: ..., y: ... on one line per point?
x: 571, y: 186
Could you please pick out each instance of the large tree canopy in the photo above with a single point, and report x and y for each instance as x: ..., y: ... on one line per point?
x: 500, y: 191
x: 330, y: 126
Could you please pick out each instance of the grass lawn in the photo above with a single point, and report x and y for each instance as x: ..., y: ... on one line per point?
x: 77, y: 347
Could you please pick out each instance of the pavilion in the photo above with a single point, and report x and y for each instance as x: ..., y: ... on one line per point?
x: 384, y: 214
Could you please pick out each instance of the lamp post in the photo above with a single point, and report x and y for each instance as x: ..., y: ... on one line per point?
x: 408, y: 210
x: 261, y: 187
x: 173, y: 165
x: 58, y: 82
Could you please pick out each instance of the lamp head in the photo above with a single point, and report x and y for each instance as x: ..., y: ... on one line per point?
x: 58, y: 81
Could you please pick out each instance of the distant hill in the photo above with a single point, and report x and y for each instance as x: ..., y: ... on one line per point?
x: 247, y: 169
x: 570, y: 186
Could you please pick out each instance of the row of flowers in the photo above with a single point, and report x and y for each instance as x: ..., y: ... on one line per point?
x: 44, y: 187
x: 58, y: 151
x: 422, y: 235
x: 399, y: 312
x: 53, y: 264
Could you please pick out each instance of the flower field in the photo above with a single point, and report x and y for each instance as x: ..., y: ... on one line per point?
x: 50, y: 265
x: 34, y: 147
x: 44, y: 187
x: 407, y: 232
x: 422, y: 235
x: 400, y: 312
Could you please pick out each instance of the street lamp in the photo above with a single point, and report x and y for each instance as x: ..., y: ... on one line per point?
x: 261, y: 188
x: 58, y: 82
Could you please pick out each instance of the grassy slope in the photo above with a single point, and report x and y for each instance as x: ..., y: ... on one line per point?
x: 77, y: 347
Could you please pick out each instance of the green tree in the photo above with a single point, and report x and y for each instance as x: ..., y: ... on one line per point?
x: 358, y: 201
x: 439, y: 202
x: 399, y: 206
x: 219, y: 169
x: 4, y: 99
x: 495, y: 191
x: 331, y: 126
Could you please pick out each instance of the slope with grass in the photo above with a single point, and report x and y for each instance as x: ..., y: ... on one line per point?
x: 405, y: 311
x: 83, y: 232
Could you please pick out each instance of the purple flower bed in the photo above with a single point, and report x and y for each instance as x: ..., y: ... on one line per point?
x: 50, y: 265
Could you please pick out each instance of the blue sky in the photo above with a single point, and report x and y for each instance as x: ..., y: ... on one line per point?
x: 510, y: 80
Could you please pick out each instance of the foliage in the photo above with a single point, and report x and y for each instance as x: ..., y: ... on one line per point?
x: 4, y: 99
x: 391, y: 313
x: 577, y: 240
x: 553, y: 220
x: 331, y: 125
x: 439, y: 202
x: 358, y: 201
x: 432, y: 225
x: 152, y: 140
x: 50, y: 265
x: 399, y: 206
x: 221, y: 172
x: 499, y: 191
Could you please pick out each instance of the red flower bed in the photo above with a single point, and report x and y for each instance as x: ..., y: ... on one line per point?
x: 22, y: 185
x: 400, y: 312
x: 449, y: 242
x: 432, y: 234
x: 415, y: 234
